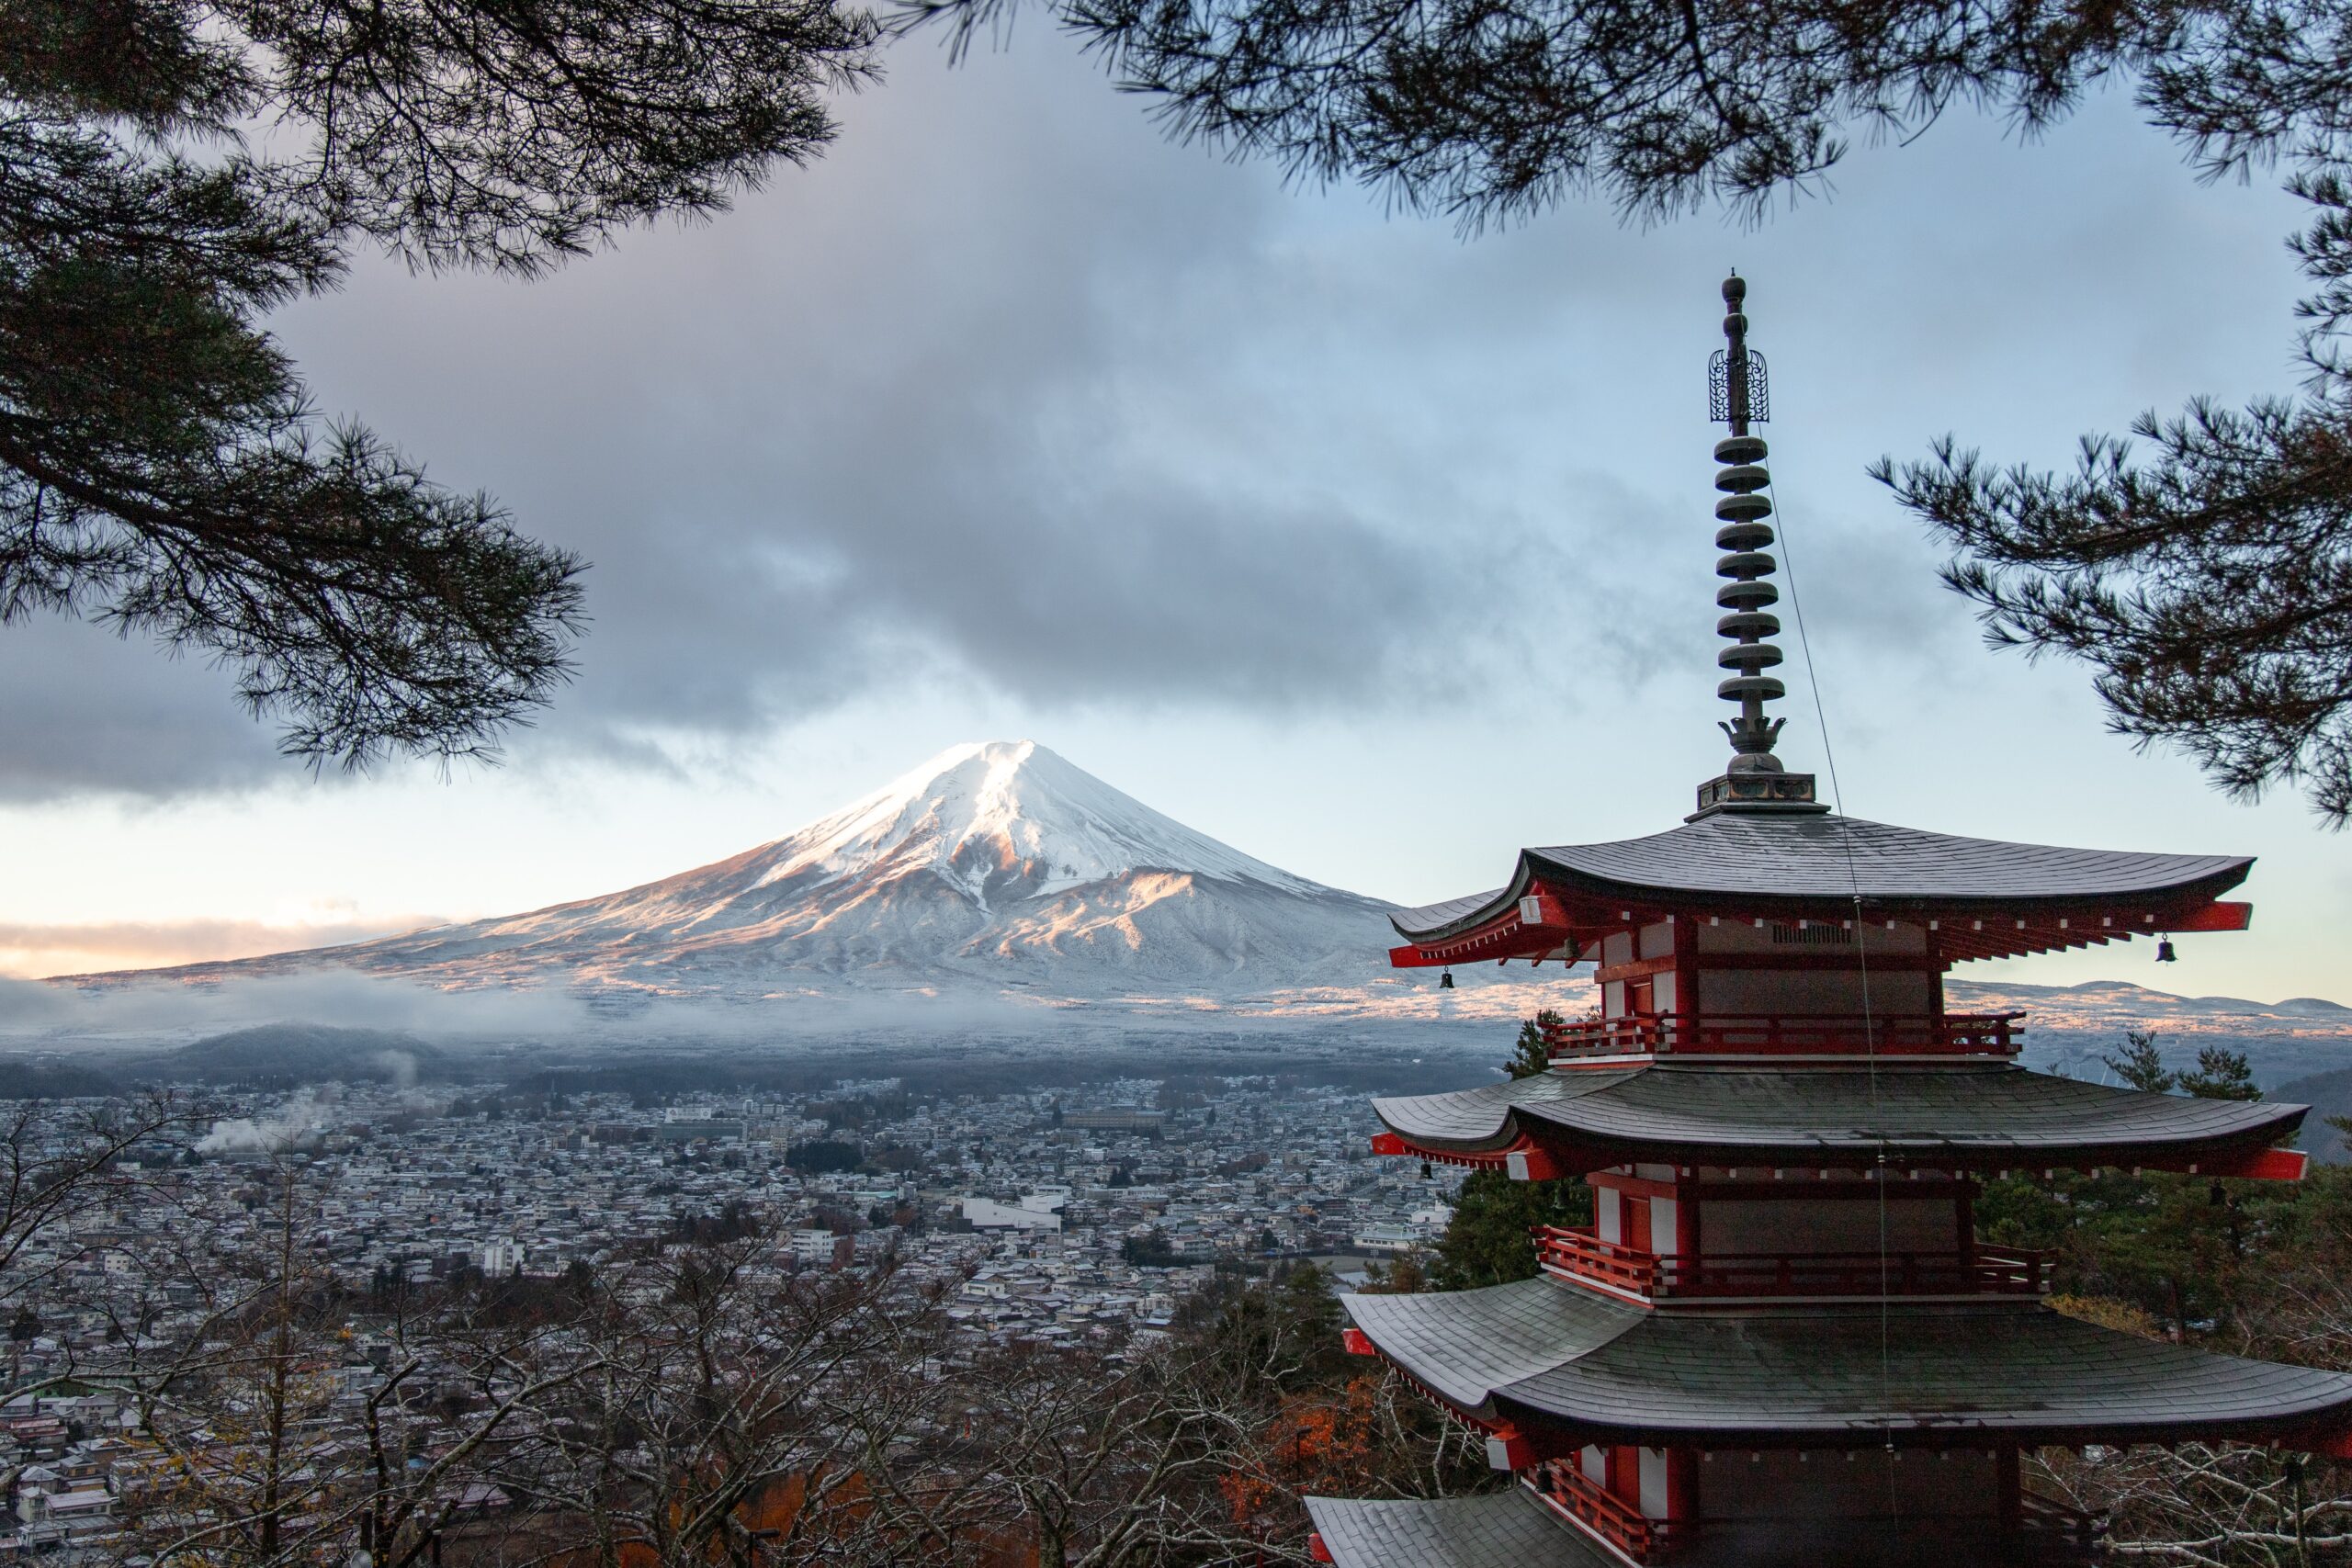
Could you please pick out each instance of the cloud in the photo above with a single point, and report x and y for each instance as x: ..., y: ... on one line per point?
x: 34, y: 1013
x: 961, y: 404
x: 82, y: 708
x: 1009, y: 396
x: 92, y: 947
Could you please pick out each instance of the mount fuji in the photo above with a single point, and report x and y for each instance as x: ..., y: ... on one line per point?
x: 991, y: 867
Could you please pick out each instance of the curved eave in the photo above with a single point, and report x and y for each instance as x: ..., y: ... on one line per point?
x: 1500, y: 1529
x: 1998, y: 900
x: 1966, y: 1118
x: 1567, y: 1369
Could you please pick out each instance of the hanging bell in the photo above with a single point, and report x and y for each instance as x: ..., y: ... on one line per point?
x: 1445, y: 980
x: 1426, y: 1174
x: 2165, y: 953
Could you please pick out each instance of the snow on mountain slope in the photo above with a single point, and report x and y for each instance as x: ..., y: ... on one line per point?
x: 990, y: 865
x: 1016, y: 804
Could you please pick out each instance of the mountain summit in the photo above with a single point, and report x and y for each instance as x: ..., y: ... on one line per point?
x: 1005, y: 820
x: 991, y: 865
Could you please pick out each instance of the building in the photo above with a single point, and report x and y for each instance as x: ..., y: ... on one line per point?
x: 1781, y: 1343
x: 687, y: 1127
x: 1119, y: 1119
x: 1035, y: 1211
x: 823, y: 1247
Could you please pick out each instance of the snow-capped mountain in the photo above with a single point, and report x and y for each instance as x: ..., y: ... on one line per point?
x: 990, y: 865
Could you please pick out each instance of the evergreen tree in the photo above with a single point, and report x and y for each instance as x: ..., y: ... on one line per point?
x: 2179, y: 1247
x: 1284, y: 1329
x: 162, y: 466
x: 2222, y: 1074
x: 1533, y: 1054
x: 1488, y: 1241
x: 1150, y: 1250
x: 2140, y: 1065
x: 1402, y: 1275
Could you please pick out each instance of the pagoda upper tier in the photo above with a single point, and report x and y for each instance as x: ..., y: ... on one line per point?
x: 1969, y: 897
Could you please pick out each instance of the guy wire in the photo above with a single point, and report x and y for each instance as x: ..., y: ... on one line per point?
x: 1863, y: 956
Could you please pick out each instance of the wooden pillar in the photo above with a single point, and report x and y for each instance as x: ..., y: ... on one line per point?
x: 1686, y: 969
x: 1682, y: 1487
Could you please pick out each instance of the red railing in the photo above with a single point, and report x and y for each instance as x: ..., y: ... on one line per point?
x: 2064, y: 1535
x: 1580, y: 1253
x: 1601, y: 1511
x: 1788, y: 1034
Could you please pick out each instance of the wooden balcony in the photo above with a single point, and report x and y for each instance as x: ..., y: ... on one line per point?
x: 1580, y: 1254
x: 1567, y: 1488
x: 2045, y: 1535
x: 1788, y: 1034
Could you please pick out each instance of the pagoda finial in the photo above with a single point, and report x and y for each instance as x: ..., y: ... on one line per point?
x: 1754, y: 780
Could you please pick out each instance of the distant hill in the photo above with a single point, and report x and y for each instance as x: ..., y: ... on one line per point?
x: 21, y: 1079
x: 304, y: 1053
x: 2068, y: 1028
x: 2328, y: 1094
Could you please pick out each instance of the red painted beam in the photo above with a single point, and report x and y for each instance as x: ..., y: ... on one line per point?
x: 1316, y: 1550
x: 1358, y: 1342
x: 1508, y: 1448
x: 2219, y: 915
x: 1533, y: 1165
x: 2260, y: 1165
x: 1389, y: 1144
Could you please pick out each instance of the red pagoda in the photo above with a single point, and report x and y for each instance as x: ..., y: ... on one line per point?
x: 1781, y: 1342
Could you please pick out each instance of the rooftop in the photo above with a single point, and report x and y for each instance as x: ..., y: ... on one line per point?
x: 1501, y: 1529
x: 1817, y: 866
x: 1965, y: 1116
x: 1549, y: 1356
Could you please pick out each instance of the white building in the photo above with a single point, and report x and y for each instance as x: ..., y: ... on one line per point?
x: 1037, y: 1211
x: 817, y: 1247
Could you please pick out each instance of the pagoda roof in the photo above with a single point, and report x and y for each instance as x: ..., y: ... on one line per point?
x: 1546, y: 1355
x: 1797, y: 865
x: 1497, y: 1529
x: 1973, y: 1116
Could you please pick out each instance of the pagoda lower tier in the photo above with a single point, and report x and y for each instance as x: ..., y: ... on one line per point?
x: 1500, y: 1529
x: 1552, y: 1368
x: 1533, y: 1525
x: 1982, y: 1116
x: 1799, y: 1435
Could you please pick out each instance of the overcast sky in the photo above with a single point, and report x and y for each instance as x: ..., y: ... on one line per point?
x: 1374, y: 551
